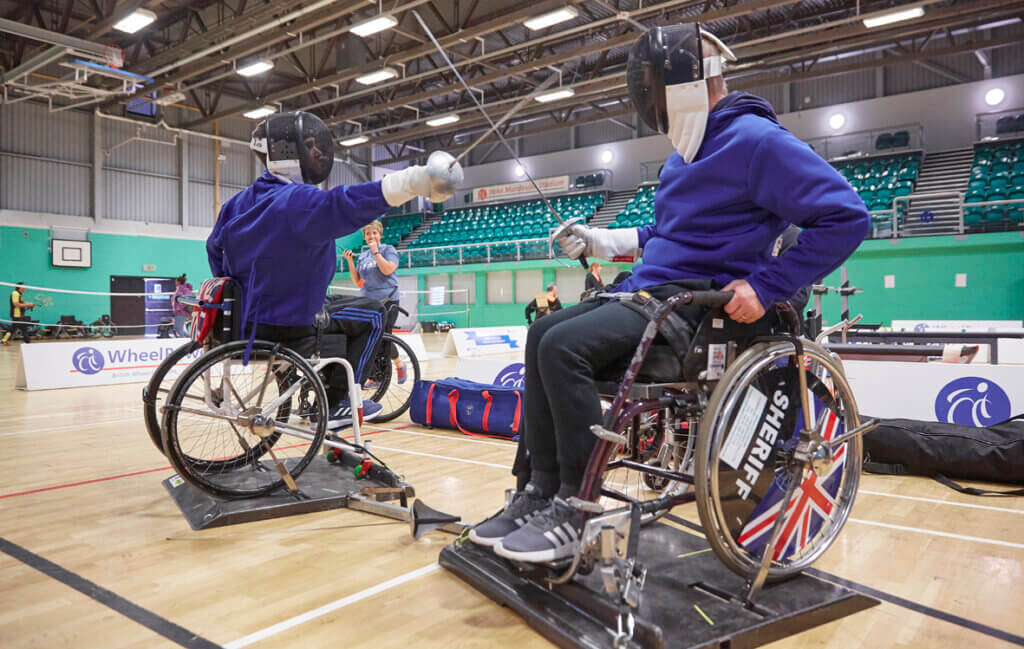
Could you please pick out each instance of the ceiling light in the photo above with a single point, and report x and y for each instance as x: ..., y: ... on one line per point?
x: 441, y: 121
x: 995, y: 96
x: 894, y: 17
x: 170, y: 98
x: 374, y: 25
x: 254, y: 67
x: 607, y: 156
x: 259, y: 113
x: 376, y: 77
x: 520, y: 172
x: 555, y: 95
x: 135, y: 21
x: 551, y: 18
x: 837, y: 121
x: 355, y: 141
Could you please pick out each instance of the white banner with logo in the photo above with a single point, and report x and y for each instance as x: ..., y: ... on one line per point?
x: 960, y: 326
x: 509, y: 373
x: 553, y: 185
x: 482, y: 341
x: 971, y: 395
x: 46, y: 366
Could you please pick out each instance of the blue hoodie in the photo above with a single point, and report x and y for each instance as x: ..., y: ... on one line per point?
x: 277, y: 240
x: 717, y: 217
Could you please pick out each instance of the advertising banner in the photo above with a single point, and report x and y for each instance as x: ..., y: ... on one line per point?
x: 485, y: 340
x: 506, y: 191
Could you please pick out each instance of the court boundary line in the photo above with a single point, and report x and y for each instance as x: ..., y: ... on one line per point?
x: 948, y: 535
x: 896, y: 600
x: 144, y: 617
x: 330, y: 607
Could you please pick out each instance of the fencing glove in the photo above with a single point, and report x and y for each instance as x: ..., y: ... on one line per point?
x: 436, y: 181
x: 579, y: 240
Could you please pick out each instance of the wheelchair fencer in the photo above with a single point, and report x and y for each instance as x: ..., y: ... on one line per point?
x: 745, y: 420
x: 222, y: 421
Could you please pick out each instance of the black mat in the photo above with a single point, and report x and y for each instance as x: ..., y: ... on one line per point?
x: 576, y: 616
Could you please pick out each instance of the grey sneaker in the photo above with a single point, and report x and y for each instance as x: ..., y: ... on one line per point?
x: 524, y: 506
x: 551, y: 535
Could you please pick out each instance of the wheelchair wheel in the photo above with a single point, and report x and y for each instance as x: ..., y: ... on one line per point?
x: 155, y: 392
x: 744, y: 460
x: 226, y: 443
x: 656, y: 441
x: 382, y: 384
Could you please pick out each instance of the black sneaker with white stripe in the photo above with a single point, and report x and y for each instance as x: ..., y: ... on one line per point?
x: 551, y: 535
x: 524, y: 506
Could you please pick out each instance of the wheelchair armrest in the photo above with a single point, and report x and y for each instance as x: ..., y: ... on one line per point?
x: 713, y: 299
x: 189, y: 300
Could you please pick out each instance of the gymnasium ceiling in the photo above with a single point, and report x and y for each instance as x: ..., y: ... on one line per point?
x: 193, y: 47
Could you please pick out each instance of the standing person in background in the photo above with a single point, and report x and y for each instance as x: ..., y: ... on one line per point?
x: 18, y: 313
x: 374, y: 273
x: 594, y: 277
x: 181, y: 287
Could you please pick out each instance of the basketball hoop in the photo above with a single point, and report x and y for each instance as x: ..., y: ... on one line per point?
x: 113, y: 56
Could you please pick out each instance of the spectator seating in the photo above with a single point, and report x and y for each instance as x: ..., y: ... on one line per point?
x: 397, y: 227
x: 897, y: 140
x: 639, y: 211
x: 880, y: 179
x: 589, y: 180
x: 1010, y: 124
x: 505, y: 223
x: 997, y: 174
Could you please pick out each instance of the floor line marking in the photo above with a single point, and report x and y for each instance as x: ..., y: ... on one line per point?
x: 508, y: 444
x: 70, y: 412
x: 950, y: 535
x: 442, y: 457
x: 941, y: 502
x: 162, y: 626
x: 330, y: 608
x: 57, y: 429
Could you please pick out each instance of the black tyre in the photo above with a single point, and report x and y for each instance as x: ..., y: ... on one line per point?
x: 155, y: 392
x: 381, y: 380
x: 228, y: 445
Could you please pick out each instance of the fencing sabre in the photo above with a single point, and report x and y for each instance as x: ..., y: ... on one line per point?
x: 563, y: 224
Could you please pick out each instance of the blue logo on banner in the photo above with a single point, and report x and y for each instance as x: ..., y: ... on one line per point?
x: 481, y: 341
x: 972, y: 401
x: 87, y: 360
x: 513, y: 376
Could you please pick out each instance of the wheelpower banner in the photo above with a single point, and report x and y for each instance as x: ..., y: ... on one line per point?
x: 46, y: 366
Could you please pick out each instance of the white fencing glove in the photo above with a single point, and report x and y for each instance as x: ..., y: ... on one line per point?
x: 436, y: 181
x: 605, y: 244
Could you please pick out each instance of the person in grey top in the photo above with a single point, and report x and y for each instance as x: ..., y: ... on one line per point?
x: 374, y: 273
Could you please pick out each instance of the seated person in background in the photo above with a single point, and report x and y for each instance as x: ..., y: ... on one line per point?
x: 19, y: 315
x: 276, y: 237
x: 543, y: 304
x: 736, y: 181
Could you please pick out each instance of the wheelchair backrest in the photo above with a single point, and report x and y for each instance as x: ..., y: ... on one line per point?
x: 220, y: 316
x: 709, y: 351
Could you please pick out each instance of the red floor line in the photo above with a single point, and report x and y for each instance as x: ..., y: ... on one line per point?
x: 128, y: 475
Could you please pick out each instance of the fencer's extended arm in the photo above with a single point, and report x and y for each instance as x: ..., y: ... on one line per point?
x: 436, y: 181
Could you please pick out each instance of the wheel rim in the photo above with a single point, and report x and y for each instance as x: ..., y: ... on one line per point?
x: 394, y: 397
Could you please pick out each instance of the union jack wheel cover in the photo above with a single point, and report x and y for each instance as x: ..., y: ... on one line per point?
x: 751, y: 493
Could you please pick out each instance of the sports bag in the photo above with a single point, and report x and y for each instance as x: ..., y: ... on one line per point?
x: 471, y: 407
x: 945, y: 451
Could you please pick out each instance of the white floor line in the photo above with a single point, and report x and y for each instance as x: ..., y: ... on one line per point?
x: 948, y: 535
x: 469, y: 440
x: 376, y: 446
x: 57, y: 429
x: 329, y: 608
x: 64, y: 413
x: 936, y: 501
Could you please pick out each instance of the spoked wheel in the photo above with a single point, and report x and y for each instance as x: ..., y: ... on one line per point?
x: 384, y: 385
x: 654, y: 443
x: 745, y: 460
x: 155, y: 392
x: 227, y: 443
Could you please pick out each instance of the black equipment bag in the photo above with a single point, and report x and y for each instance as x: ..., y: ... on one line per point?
x: 945, y: 451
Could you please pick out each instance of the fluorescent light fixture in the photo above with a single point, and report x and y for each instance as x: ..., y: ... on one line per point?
x: 374, y: 25
x: 170, y: 98
x: 836, y: 121
x: 441, y: 121
x: 995, y: 96
x: 259, y: 113
x: 555, y: 95
x: 376, y: 77
x: 355, y: 141
x: 254, y: 67
x: 607, y: 156
x: 520, y: 172
x: 551, y: 18
x: 135, y: 21
x: 894, y: 17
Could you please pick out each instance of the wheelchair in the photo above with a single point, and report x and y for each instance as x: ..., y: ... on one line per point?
x: 751, y: 421
x: 221, y: 420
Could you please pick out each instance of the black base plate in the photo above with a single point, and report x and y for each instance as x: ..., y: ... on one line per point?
x: 684, y: 580
x: 324, y: 486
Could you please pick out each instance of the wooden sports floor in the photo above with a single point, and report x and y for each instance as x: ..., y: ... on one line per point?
x: 81, y: 504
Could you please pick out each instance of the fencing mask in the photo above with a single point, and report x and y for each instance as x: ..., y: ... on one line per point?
x: 298, y: 145
x: 667, y: 75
